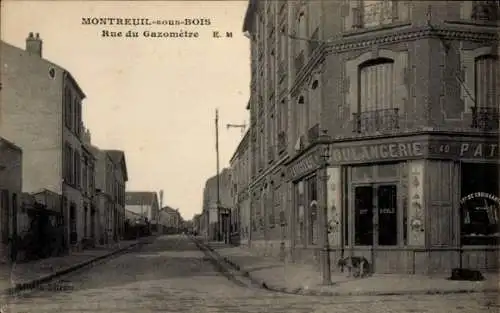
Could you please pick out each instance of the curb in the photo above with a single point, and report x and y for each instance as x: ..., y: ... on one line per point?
x: 35, y: 283
x: 299, y: 291
x: 218, y: 262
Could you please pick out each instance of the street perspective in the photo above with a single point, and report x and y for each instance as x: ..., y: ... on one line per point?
x: 250, y: 156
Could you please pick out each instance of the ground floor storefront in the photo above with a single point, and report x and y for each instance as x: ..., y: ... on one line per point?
x: 415, y: 204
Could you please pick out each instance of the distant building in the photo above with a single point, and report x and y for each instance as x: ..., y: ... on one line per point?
x: 196, y: 224
x: 216, y: 228
x: 119, y: 186
x: 104, y: 181
x: 170, y: 220
x: 111, y: 179
x: 144, y: 203
x: 240, y: 192
x: 41, y: 112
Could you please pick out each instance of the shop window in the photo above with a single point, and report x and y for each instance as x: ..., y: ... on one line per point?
x: 387, y: 205
x: 312, y: 195
x: 479, y: 205
x: 363, y: 216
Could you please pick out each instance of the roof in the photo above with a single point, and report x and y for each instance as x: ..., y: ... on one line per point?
x: 4, y: 143
x: 140, y: 197
x: 240, y: 146
x: 118, y: 156
x: 170, y: 210
x: 66, y: 73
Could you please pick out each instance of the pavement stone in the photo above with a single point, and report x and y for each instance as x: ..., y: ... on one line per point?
x: 173, y: 275
x: 28, y: 274
x: 304, y: 279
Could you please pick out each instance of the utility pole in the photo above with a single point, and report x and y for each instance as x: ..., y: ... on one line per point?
x: 219, y: 216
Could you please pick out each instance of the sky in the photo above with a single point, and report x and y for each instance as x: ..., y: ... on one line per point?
x: 154, y: 98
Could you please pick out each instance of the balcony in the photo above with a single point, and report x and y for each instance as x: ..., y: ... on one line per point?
x: 282, y: 142
x: 313, y: 134
x: 486, y: 119
x: 376, y: 121
x: 299, y: 61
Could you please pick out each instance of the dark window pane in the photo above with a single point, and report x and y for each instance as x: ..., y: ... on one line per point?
x: 387, y: 215
x: 479, y: 205
x: 363, y: 210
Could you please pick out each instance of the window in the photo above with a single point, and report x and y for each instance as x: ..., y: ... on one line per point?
x: 479, y: 204
x: 68, y: 108
x: 77, y: 169
x: 315, y: 103
x: 283, y: 44
x: 302, y: 30
x: 78, y: 115
x: 376, y: 12
x: 301, y: 114
x: 376, y: 85
x: 486, y: 75
x: 376, y: 108
x: 312, y: 205
x: 68, y: 164
x: 485, y: 10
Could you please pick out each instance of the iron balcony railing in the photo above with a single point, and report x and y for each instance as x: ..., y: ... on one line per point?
x: 486, y: 118
x: 376, y: 120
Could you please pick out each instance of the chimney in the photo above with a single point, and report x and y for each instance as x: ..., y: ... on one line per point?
x: 34, y: 44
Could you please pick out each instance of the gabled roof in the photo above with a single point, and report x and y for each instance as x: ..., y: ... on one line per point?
x: 169, y: 210
x: 23, y: 53
x: 4, y: 143
x: 118, y: 156
x: 140, y: 198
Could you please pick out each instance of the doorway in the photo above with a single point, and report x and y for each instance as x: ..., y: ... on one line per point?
x: 375, y: 217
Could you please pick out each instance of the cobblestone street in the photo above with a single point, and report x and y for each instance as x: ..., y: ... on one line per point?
x: 173, y: 275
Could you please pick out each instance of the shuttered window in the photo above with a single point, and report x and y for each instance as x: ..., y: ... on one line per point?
x: 486, y: 81
x: 376, y: 85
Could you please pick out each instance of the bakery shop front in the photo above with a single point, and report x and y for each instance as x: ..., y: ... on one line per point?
x: 417, y: 204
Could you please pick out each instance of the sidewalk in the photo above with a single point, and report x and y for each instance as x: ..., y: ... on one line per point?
x: 304, y: 279
x: 27, y: 275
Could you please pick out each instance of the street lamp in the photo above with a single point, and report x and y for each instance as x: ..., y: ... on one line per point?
x: 325, y: 155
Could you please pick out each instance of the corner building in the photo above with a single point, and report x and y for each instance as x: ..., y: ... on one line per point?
x: 407, y: 94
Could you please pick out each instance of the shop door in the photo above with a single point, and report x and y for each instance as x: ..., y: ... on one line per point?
x: 375, y: 219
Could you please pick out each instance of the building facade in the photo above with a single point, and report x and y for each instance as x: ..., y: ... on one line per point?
x: 170, y: 220
x: 144, y: 203
x: 111, y: 178
x: 120, y: 178
x: 404, y: 97
x: 240, y: 176
x: 90, y: 208
x: 104, y: 169
x: 217, y: 223
x: 41, y: 112
x: 11, y: 168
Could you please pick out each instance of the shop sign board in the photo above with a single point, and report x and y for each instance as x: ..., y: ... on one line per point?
x: 413, y: 149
